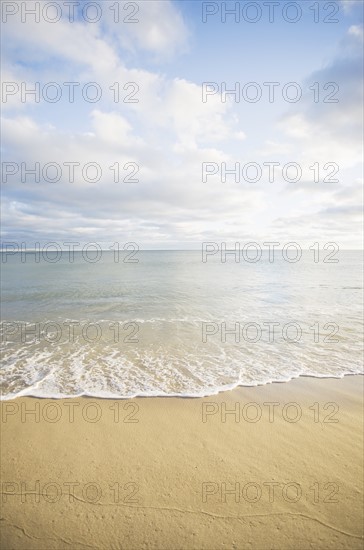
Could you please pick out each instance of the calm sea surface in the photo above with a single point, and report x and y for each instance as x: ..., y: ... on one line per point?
x: 171, y: 324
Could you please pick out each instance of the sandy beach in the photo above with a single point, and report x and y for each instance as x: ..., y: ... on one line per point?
x: 271, y: 467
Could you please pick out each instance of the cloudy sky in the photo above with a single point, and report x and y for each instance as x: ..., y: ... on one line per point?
x: 168, y: 136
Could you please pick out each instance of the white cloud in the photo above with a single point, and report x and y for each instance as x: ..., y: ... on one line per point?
x: 161, y: 29
x: 357, y: 31
x: 169, y: 133
x: 349, y: 5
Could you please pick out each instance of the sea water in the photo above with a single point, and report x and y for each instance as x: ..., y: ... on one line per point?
x: 168, y: 323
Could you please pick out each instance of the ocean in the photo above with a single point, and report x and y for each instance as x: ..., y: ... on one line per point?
x: 167, y: 323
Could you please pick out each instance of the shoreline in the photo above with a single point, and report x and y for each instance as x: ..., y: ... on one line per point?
x: 276, y: 466
x: 181, y: 396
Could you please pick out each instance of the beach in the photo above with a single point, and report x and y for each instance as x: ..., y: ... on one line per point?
x: 276, y: 466
x: 181, y: 332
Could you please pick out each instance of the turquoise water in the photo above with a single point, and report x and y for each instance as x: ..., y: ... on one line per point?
x: 160, y: 326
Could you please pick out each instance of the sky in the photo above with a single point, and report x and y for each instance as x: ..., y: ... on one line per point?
x: 151, y: 150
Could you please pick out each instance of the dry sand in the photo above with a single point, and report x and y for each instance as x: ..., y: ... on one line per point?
x: 160, y: 477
